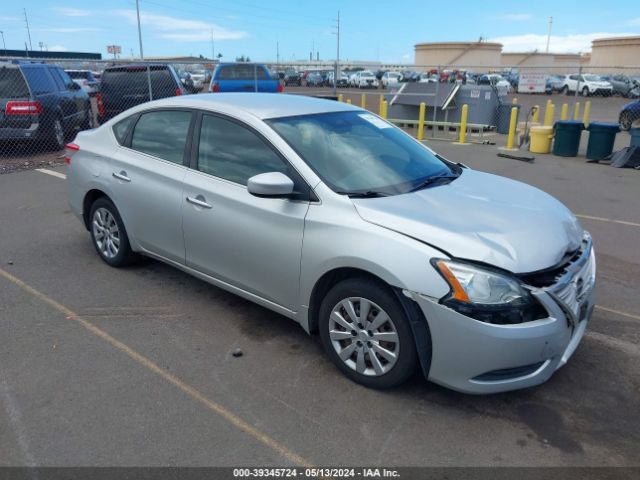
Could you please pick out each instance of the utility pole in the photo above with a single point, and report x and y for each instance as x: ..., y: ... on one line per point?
x: 26, y: 20
x: 549, y: 33
x: 4, y: 45
x: 213, y: 47
x: 336, y: 70
x: 139, y: 29
x: 277, y: 53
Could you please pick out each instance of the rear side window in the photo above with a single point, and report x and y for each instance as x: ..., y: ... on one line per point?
x: 64, y: 79
x: 121, y: 129
x: 162, y: 134
x: 242, y: 72
x: 39, y: 80
x: 233, y: 152
x: 12, y: 84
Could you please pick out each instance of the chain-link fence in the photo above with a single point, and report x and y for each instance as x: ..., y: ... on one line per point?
x: 43, y: 104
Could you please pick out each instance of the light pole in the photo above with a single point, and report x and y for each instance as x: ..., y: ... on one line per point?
x: 139, y: 29
x: 4, y: 45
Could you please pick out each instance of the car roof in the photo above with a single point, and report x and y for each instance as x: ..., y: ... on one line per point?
x: 260, y: 105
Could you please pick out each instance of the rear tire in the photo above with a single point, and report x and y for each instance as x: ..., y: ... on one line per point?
x: 57, y: 134
x: 376, y: 350
x: 625, y: 121
x: 585, y: 92
x: 108, y: 234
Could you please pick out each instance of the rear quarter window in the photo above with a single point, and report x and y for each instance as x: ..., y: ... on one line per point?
x: 39, y: 80
x: 12, y: 83
x: 121, y: 129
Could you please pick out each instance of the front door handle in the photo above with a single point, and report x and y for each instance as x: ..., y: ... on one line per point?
x: 199, y: 201
x: 121, y: 176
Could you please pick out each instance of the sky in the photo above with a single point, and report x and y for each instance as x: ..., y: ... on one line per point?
x: 371, y: 30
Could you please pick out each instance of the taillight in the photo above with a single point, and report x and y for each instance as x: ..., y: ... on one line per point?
x: 22, y: 108
x: 216, y: 87
x: 70, y: 150
x: 178, y: 92
x: 100, y: 104
x: 280, y: 88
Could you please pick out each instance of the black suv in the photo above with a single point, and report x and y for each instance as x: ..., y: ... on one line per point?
x: 123, y: 87
x: 39, y: 102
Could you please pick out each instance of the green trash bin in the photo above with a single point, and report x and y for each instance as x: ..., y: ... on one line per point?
x: 601, y: 138
x: 567, y: 137
x: 635, y: 137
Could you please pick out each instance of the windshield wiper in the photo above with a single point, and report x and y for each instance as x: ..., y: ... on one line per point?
x: 367, y: 194
x: 434, y: 180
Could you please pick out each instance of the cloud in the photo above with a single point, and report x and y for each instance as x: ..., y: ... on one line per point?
x: 72, y: 12
x: 68, y: 29
x: 515, y: 17
x: 558, y: 44
x: 180, y: 29
x: 634, y: 22
x: 57, y: 48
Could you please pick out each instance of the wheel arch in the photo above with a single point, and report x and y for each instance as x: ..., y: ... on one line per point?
x: 417, y: 320
x: 89, y: 198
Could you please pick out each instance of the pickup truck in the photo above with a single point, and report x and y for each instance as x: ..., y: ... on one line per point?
x: 243, y: 77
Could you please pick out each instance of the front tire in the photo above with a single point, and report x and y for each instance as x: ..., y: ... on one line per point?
x: 109, y: 235
x: 366, y: 333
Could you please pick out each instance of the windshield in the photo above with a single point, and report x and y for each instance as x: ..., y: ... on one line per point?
x: 366, y: 74
x: 591, y: 78
x: 357, y: 152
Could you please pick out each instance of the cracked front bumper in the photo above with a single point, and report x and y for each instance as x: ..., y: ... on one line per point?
x: 477, y: 357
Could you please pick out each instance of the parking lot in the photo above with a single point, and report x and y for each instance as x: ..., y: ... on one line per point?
x: 134, y: 366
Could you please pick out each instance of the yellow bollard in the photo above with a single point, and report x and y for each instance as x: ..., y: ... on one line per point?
x: 363, y: 100
x: 587, y: 111
x: 423, y: 108
x: 340, y: 98
x: 349, y: 101
x: 548, y: 114
x: 380, y: 105
x: 512, y: 128
x: 514, y: 101
x: 576, y: 111
x: 564, y: 113
x: 463, y: 123
x: 536, y: 114
x: 384, y: 109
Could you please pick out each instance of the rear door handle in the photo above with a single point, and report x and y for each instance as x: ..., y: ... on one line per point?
x: 199, y: 201
x: 121, y: 176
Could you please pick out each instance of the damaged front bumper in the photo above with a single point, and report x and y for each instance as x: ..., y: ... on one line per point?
x: 477, y: 357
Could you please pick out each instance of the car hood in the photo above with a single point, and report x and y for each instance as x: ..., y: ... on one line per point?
x: 482, y: 217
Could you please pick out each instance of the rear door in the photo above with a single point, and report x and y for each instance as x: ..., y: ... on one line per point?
x: 147, y: 181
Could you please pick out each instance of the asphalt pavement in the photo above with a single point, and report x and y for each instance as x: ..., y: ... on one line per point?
x: 134, y: 367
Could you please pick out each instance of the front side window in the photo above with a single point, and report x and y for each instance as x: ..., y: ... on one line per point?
x: 230, y: 151
x: 357, y: 152
x: 162, y: 134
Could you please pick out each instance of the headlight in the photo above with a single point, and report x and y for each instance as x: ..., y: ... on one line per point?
x: 487, y: 295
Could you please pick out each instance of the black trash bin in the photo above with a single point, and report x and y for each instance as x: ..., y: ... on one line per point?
x: 602, y: 135
x: 567, y: 137
x: 504, y: 117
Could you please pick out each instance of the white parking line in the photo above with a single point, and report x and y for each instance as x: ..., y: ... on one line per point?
x: 610, y: 220
x: 52, y: 173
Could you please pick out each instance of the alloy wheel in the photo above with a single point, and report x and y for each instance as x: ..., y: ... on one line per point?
x: 106, y: 233
x: 58, y: 133
x: 364, y: 336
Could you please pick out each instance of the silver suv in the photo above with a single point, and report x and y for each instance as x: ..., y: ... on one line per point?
x: 399, y: 258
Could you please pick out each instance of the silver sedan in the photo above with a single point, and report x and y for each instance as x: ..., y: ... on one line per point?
x: 400, y: 259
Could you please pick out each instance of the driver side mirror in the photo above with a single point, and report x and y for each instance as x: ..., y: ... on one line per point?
x: 270, y: 185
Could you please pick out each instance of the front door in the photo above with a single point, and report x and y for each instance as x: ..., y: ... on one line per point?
x: 252, y: 243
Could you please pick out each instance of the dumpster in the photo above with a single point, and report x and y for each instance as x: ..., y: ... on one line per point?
x: 635, y: 137
x: 601, y: 138
x: 504, y: 116
x: 540, y: 139
x: 567, y: 137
